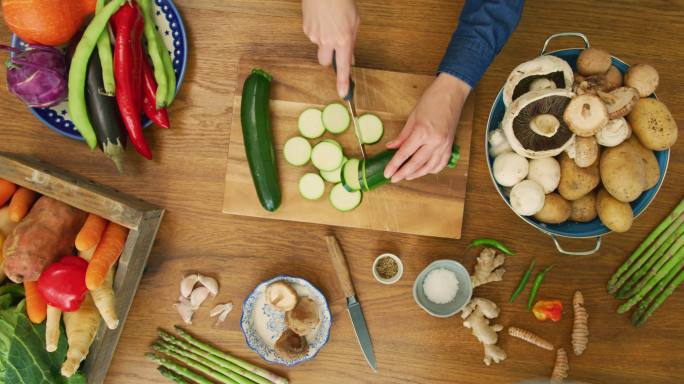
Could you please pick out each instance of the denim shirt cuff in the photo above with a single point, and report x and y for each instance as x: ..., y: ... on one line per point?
x: 466, y: 58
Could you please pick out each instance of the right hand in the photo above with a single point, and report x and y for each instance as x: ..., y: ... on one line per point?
x: 332, y: 25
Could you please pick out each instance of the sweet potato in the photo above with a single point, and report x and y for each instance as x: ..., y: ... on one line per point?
x: 44, y: 235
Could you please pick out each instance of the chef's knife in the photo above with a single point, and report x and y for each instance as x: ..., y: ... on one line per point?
x: 349, y: 98
x: 353, y: 306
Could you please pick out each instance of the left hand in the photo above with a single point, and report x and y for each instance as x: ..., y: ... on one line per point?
x: 429, y: 132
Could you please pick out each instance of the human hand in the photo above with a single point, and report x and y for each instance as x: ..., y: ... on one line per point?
x: 428, y: 135
x: 332, y: 25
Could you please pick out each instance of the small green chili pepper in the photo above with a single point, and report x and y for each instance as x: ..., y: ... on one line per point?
x: 523, y: 281
x: 491, y: 243
x: 535, y: 286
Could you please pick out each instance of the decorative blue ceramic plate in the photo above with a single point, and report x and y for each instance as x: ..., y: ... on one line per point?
x: 262, y: 325
x: 172, y: 30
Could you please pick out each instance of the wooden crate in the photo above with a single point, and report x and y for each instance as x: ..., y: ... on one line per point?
x: 141, y: 218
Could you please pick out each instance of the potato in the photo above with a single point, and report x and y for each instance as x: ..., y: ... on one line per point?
x: 614, y: 214
x: 651, y: 165
x: 555, y: 211
x: 576, y: 182
x: 583, y: 209
x: 653, y: 124
x: 622, y: 172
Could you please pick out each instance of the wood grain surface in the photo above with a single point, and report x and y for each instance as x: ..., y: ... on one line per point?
x: 296, y: 86
x: 186, y: 178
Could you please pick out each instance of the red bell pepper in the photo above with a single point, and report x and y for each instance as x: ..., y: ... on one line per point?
x: 158, y: 116
x: 548, y: 309
x: 62, y: 284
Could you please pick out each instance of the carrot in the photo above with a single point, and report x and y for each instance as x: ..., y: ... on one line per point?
x: 36, y: 307
x: 91, y: 232
x: 104, y: 298
x: 81, y: 328
x: 106, y: 254
x: 52, y: 331
x: 7, y: 189
x: 21, y: 203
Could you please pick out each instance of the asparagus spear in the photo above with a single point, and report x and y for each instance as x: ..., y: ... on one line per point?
x: 195, y: 365
x: 176, y: 342
x: 241, y: 363
x: 168, y: 348
x: 169, y: 374
x: 661, y: 298
x: 643, y: 305
x: 674, y: 215
x: 177, y: 368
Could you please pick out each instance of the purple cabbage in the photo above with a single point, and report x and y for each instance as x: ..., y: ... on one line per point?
x: 37, y: 75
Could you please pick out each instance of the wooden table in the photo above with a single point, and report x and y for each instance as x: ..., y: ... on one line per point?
x: 187, y: 175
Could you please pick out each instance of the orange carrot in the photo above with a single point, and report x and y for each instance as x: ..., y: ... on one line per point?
x: 91, y: 232
x: 107, y: 252
x: 36, y: 307
x: 21, y: 203
x: 7, y: 189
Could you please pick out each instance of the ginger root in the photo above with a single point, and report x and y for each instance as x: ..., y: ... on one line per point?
x: 532, y: 338
x: 580, y: 328
x: 476, y: 316
x: 488, y: 267
x: 561, y: 368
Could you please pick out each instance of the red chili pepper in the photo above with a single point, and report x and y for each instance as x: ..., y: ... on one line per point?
x: 158, y: 116
x: 128, y: 27
x: 548, y: 309
x: 62, y: 284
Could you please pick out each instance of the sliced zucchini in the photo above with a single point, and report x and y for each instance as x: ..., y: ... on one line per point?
x: 327, y: 155
x: 371, y: 128
x: 311, y: 186
x: 336, y: 118
x: 334, y: 176
x: 350, y: 175
x: 297, y: 151
x: 344, y: 200
x: 311, y: 123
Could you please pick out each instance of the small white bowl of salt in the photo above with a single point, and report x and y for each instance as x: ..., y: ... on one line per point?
x: 443, y: 288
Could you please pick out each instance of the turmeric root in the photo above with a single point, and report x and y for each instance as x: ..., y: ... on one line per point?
x: 532, y: 338
x: 560, y: 370
x: 488, y: 267
x: 81, y: 327
x: 103, y: 296
x: 476, y: 316
x: 580, y: 328
x: 54, y: 316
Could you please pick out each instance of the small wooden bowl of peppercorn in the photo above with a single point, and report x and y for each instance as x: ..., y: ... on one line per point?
x: 387, y: 268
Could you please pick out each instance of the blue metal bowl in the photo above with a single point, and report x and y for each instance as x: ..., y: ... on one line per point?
x: 572, y: 229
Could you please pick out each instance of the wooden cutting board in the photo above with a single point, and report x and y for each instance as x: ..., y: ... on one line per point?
x: 430, y: 206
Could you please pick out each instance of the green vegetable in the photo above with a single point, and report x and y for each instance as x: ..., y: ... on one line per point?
x: 523, y: 281
x: 170, y: 71
x: 256, y: 130
x: 178, y: 369
x: 641, y: 315
x: 169, y: 374
x: 491, y: 243
x: 196, y: 365
x: 536, y: 285
x: 154, y: 51
x: 104, y: 51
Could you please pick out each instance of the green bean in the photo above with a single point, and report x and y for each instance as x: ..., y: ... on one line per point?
x: 104, y: 50
x: 491, y: 243
x: 170, y: 72
x: 535, y: 286
x: 523, y: 281
x: 155, y: 52
x: 79, y: 66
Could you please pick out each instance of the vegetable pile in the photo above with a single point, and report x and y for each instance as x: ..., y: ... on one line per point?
x: 565, y: 147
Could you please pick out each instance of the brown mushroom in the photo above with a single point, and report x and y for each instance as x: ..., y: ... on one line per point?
x: 613, y: 78
x: 593, y: 61
x: 620, y: 101
x: 304, y: 318
x: 644, y: 78
x: 586, y: 151
x: 585, y: 115
x: 281, y: 296
x: 589, y: 85
x: 291, y: 345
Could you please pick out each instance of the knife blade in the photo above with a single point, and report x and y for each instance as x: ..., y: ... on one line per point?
x: 353, y: 305
x: 351, y: 106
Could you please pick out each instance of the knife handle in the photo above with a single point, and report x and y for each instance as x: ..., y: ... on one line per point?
x: 340, y: 266
x: 350, y: 92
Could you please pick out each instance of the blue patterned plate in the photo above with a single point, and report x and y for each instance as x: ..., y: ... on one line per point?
x: 169, y: 22
x: 262, y: 325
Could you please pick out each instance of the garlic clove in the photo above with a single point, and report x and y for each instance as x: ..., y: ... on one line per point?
x: 188, y: 283
x: 185, y: 310
x: 221, y: 311
x: 198, y: 296
x: 210, y: 283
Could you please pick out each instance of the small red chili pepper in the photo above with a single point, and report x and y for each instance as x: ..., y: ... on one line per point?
x: 158, y: 116
x: 62, y: 284
x: 548, y: 309
x: 128, y: 26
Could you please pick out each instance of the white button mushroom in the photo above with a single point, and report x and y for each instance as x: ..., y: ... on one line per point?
x: 527, y: 198
x: 614, y: 133
x: 498, y: 143
x: 510, y: 168
x: 546, y: 172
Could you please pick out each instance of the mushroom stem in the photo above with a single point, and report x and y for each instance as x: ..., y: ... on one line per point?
x: 586, y: 110
x: 545, y: 124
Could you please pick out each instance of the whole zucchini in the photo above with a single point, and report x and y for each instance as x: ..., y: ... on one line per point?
x: 256, y: 130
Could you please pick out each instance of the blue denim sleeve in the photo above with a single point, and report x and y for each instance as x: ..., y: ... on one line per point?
x: 483, y: 28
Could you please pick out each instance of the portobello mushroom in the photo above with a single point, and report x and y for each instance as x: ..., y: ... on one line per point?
x: 543, y: 72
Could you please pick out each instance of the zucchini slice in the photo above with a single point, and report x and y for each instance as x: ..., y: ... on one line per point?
x: 370, y: 128
x: 297, y: 151
x: 334, y: 176
x: 311, y: 123
x: 311, y: 186
x: 350, y: 175
x: 327, y: 155
x: 336, y: 118
x: 344, y: 200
